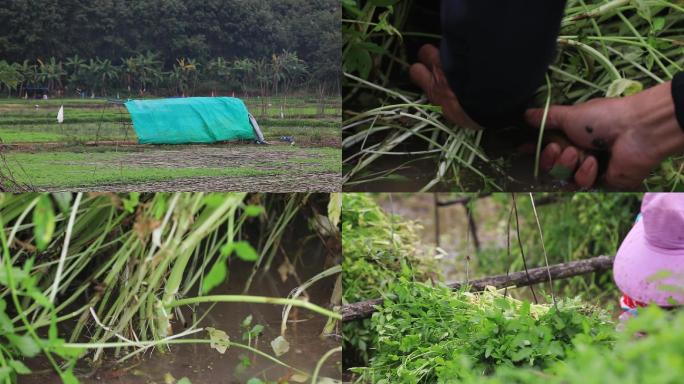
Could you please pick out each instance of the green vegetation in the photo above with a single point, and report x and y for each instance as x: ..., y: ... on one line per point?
x: 82, y: 169
x: 656, y: 358
x: 92, y: 120
x: 378, y: 248
x: 576, y: 226
x: 87, y: 124
x: 102, y: 274
x: 424, y: 332
x: 170, y: 46
x: 428, y: 334
x: 605, y: 46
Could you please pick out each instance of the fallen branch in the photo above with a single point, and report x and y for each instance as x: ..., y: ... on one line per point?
x: 364, y: 309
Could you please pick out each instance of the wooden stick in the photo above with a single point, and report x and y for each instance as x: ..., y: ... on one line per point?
x: 365, y: 309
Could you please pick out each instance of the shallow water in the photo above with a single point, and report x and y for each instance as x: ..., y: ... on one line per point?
x: 202, y: 364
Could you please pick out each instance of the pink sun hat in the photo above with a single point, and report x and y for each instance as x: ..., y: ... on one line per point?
x: 649, y: 266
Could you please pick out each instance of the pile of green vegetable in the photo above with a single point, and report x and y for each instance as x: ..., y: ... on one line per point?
x: 378, y: 248
x: 429, y: 334
x: 649, y: 350
x: 607, y: 48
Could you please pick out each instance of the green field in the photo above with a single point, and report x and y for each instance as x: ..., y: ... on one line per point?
x: 35, y: 121
x: 88, y: 149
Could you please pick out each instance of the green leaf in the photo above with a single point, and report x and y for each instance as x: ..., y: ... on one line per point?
x: 43, y: 222
x: 65, y: 352
x: 5, y: 372
x: 216, y: 276
x: 335, y: 209
x: 247, y: 321
x: 63, y: 200
x: 255, y: 380
x: 254, y: 210
x: 256, y: 330
x: 25, y: 344
x: 643, y: 9
x: 658, y: 24
x: 18, y: 275
x: 6, y: 325
x: 68, y: 377
x: 245, y: 251
x: 132, y: 202
x: 227, y: 249
x: 39, y: 298
x: 19, y: 367
x: 624, y: 87
x: 358, y: 60
x: 184, y: 380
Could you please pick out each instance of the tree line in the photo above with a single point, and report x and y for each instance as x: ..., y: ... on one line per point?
x: 144, y: 74
x: 174, y: 46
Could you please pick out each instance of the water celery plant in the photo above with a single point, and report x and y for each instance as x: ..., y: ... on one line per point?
x: 606, y: 48
x: 88, y: 273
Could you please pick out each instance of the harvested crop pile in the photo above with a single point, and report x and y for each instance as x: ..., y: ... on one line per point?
x: 378, y: 248
x: 429, y: 334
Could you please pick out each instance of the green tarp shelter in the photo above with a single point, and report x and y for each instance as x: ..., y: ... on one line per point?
x: 192, y: 120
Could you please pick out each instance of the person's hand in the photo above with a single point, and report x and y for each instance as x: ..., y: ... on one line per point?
x: 639, y: 131
x: 429, y: 76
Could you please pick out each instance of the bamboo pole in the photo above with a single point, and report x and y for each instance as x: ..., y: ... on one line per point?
x: 365, y: 309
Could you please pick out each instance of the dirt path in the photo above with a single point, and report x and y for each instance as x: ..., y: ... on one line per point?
x: 317, y: 182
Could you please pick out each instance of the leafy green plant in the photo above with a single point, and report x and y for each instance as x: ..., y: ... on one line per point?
x: 378, y: 248
x: 431, y: 334
x: 118, y: 267
x: 649, y: 350
x: 607, y: 48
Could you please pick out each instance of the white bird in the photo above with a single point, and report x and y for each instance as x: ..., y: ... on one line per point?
x: 60, y: 115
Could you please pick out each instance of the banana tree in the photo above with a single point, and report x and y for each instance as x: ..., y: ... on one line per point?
x: 9, y: 77
x: 51, y: 72
x: 28, y: 72
x: 184, y: 72
x: 150, y: 70
x: 244, y: 70
x: 74, y: 67
x: 107, y: 73
x: 219, y: 69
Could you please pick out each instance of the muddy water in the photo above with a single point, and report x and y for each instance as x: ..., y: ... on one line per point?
x: 202, y: 364
x: 514, y: 173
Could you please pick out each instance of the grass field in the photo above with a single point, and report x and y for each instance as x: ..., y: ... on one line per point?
x: 88, y: 149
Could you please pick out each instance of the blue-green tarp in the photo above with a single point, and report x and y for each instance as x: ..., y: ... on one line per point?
x: 190, y: 120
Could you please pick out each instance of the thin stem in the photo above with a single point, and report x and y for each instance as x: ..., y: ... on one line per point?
x: 255, y: 300
x: 65, y: 248
x: 541, y: 129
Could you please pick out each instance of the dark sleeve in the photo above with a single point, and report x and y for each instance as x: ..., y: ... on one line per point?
x: 495, y: 54
x: 678, y: 97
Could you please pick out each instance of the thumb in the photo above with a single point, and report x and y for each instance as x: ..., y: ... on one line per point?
x: 556, y: 118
